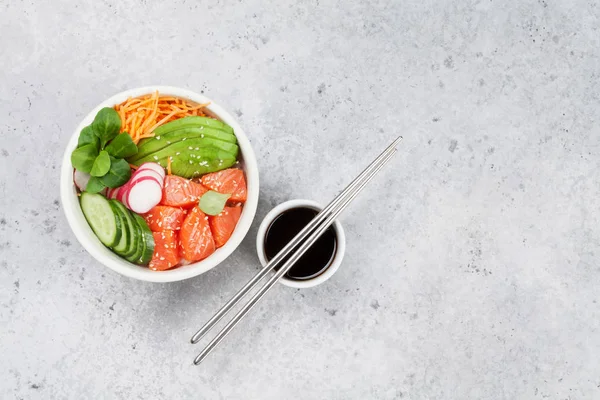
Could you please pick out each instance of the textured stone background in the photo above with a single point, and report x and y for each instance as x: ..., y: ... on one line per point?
x: 472, y: 265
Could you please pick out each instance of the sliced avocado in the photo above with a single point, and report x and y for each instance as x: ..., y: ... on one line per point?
x: 206, y: 160
x: 159, y: 142
x: 188, y: 148
x: 193, y: 122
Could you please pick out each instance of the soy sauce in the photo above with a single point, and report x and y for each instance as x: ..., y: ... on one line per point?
x: 283, y: 229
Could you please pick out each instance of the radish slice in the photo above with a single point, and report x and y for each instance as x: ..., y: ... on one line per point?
x: 144, y: 195
x: 147, y: 173
x: 153, y: 167
x: 143, y: 179
x: 113, y: 193
x: 81, y: 179
x: 122, y: 194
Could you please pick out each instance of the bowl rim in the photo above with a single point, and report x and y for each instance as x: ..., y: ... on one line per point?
x: 339, y: 252
x: 84, y: 234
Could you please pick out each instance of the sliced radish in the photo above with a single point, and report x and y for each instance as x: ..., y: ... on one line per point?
x: 81, y: 179
x: 113, y: 193
x: 121, y: 195
x: 144, y: 195
x: 143, y: 179
x: 147, y: 173
x: 153, y: 167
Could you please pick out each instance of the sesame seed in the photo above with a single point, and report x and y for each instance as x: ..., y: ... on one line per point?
x: 190, y: 148
x: 162, y: 259
x: 156, y: 157
x: 158, y: 138
x: 197, y: 148
x: 177, y: 154
x: 183, y: 139
x: 202, y: 136
x: 168, y: 142
x: 191, y: 162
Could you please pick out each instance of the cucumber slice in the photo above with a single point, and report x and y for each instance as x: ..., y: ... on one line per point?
x: 101, y: 217
x: 147, y: 240
x: 137, y: 243
x: 132, y: 229
x: 121, y: 247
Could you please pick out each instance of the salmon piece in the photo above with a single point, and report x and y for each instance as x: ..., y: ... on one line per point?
x: 166, y: 250
x: 164, y: 217
x: 181, y: 192
x: 222, y: 225
x: 229, y: 181
x: 195, y: 238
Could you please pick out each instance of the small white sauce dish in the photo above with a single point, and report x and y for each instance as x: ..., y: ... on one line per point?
x: 337, y: 258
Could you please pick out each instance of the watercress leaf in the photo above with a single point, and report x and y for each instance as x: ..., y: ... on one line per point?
x: 95, y: 185
x: 106, y: 125
x: 212, y: 203
x: 101, y: 164
x: 83, y: 157
x: 118, y: 174
x: 87, y: 136
x: 122, y: 146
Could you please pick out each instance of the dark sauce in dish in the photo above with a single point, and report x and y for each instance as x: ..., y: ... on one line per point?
x: 283, y: 229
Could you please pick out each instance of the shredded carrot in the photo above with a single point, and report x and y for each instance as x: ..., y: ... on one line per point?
x: 140, y: 116
x: 134, y: 166
x: 169, y: 165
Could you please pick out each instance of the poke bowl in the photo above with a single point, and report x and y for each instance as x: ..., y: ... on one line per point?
x: 159, y: 183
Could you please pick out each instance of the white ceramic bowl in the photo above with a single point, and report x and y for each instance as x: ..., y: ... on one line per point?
x: 90, y: 242
x: 339, y: 252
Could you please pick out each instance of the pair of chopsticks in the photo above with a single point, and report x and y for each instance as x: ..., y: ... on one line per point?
x: 296, y: 247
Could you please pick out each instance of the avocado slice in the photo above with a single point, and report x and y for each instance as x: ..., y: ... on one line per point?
x: 205, y: 160
x: 188, y: 148
x: 152, y: 145
x: 193, y: 122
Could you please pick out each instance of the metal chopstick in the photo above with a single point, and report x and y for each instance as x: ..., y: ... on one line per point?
x: 289, y: 263
x: 286, y: 250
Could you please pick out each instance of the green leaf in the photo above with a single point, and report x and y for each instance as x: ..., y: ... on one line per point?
x: 212, y: 203
x: 106, y: 125
x: 87, y: 136
x: 83, y: 157
x: 95, y: 185
x: 122, y: 146
x: 101, y: 164
x: 118, y: 174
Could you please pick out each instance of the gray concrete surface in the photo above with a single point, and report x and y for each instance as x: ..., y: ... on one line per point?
x: 472, y: 264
